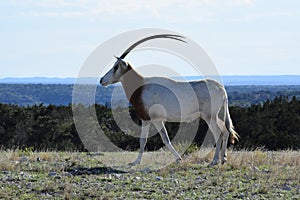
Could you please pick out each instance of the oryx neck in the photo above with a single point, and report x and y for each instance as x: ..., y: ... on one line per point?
x: 131, y: 81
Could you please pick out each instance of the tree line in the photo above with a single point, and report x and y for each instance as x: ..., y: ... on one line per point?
x: 61, y: 94
x: 273, y: 125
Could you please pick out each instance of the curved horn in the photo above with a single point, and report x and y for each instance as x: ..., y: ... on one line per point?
x: 170, y: 36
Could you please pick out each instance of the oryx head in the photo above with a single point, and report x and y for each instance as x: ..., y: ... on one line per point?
x: 121, y: 67
x: 115, y: 73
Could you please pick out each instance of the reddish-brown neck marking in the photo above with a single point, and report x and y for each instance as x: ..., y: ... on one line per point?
x: 133, y: 84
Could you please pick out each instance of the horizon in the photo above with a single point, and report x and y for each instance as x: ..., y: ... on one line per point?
x: 73, y: 77
x: 227, y: 80
x: 38, y: 37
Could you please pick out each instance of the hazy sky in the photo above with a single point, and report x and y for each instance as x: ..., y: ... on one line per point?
x: 243, y: 37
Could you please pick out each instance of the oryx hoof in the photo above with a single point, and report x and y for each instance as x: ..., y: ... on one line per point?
x: 137, y: 162
x: 224, y: 161
x: 213, y: 163
x: 178, y: 160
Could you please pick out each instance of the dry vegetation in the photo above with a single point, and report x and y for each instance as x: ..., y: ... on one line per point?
x: 254, y: 174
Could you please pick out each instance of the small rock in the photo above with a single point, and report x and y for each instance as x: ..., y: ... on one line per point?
x: 175, y: 181
x: 255, y: 169
x: 57, y: 177
x: 68, y: 174
x: 89, y: 172
x: 118, y: 176
x: 266, y: 171
x: 109, y: 177
x: 166, y: 192
x: 158, y: 178
x: 241, y: 196
x: 23, y: 159
x: 281, y: 195
x: 138, y: 178
x: 52, y: 174
x: 286, y: 187
x: 76, y: 172
x: 109, y: 186
x: 146, y: 170
x: 28, y: 185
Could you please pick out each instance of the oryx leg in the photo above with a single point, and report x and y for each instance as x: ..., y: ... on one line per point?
x: 217, y: 152
x: 143, y: 141
x: 215, y: 129
x: 225, y: 135
x: 165, y: 138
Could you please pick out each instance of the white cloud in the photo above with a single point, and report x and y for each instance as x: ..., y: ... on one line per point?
x: 260, y: 16
x: 118, y: 7
x: 52, y: 14
x: 244, y: 2
x: 43, y: 3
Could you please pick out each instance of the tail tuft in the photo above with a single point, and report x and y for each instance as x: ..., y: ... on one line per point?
x: 234, y: 136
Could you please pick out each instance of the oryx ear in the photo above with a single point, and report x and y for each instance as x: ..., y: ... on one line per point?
x: 118, y: 58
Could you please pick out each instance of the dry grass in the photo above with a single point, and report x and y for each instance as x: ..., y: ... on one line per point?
x: 253, y: 158
x: 159, y: 159
x: 256, y: 174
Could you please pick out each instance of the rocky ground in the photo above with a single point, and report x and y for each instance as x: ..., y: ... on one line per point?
x: 73, y: 175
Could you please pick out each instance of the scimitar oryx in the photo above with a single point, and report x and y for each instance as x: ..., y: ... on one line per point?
x: 154, y: 102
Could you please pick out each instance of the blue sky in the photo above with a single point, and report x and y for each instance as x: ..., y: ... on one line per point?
x: 53, y: 38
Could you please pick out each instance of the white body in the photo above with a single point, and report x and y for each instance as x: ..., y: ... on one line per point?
x: 182, y: 101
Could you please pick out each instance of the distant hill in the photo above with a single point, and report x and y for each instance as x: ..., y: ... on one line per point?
x: 242, y: 90
x: 46, y: 80
x: 227, y: 80
x: 56, y: 94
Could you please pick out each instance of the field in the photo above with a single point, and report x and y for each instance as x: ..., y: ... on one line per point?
x: 254, y: 174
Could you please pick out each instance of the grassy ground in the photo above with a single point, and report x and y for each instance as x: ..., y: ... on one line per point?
x: 67, y: 175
